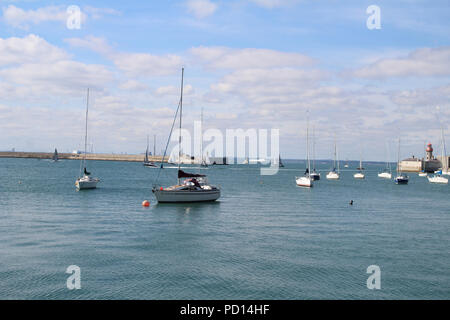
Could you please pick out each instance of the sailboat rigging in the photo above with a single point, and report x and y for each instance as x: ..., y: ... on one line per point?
x: 86, y: 181
x: 194, y: 187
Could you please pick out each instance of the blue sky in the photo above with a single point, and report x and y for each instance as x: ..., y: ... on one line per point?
x: 249, y: 64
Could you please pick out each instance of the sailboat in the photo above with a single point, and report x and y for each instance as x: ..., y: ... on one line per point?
x: 55, y: 156
x: 387, y: 174
x: 438, y: 177
x: 314, y: 175
x: 146, y: 162
x: 359, y: 174
x: 85, y: 181
x: 306, y: 180
x: 333, y: 174
x: 401, y: 177
x: 280, y: 164
x: 346, y: 164
x: 190, y: 187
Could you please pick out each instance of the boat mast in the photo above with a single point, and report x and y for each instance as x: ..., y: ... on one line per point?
x: 443, y: 153
x: 307, y: 146
x: 334, y: 166
x: 314, y: 149
x: 86, y: 128
x: 181, y: 112
x: 398, y: 159
x: 201, y: 137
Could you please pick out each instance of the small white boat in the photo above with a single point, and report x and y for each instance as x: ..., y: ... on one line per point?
x: 305, y: 181
x: 438, y: 179
x: 86, y: 181
x: 385, y: 175
x: 423, y: 174
x: 333, y: 175
x: 359, y: 175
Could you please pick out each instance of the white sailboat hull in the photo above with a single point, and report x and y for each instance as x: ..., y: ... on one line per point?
x: 438, y: 179
x: 304, y: 182
x: 174, y: 196
x: 333, y: 176
x: 86, y: 183
x: 385, y: 175
x: 359, y: 175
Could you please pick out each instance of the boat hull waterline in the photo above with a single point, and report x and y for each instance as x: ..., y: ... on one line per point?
x: 174, y: 196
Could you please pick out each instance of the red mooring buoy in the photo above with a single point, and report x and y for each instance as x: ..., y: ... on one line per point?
x: 146, y: 203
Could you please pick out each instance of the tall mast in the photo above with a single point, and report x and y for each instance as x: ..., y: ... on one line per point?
x: 334, y: 152
x: 398, y: 157
x: 443, y: 153
x: 181, y: 113
x: 307, y: 146
x: 86, y: 128
x: 314, y: 148
x: 201, y: 136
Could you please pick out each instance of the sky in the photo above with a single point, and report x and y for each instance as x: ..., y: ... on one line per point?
x: 261, y: 64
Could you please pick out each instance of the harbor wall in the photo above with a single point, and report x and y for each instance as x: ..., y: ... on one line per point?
x: 89, y: 156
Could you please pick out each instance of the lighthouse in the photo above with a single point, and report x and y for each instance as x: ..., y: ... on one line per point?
x: 429, y: 151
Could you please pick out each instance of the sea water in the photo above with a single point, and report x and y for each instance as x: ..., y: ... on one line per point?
x: 265, y: 238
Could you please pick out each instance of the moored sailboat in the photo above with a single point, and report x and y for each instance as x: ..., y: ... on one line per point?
x: 386, y: 173
x: 401, y: 178
x: 333, y: 174
x: 306, y: 180
x: 85, y: 181
x: 190, y: 187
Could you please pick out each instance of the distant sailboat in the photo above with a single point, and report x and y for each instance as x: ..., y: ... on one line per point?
x: 387, y: 172
x: 360, y: 174
x: 333, y: 174
x: 280, y: 164
x: 306, y: 180
x: 55, y: 156
x: 314, y: 174
x: 85, y: 181
x: 401, y: 177
x: 146, y: 162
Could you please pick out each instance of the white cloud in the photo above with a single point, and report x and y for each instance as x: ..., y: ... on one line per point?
x: 227, y: 58
x: 144, y: 64
x: 20, y: 18
x: 421, y: 62
x: 133, y: 85
x: 29, y: 49
x: 174, y: 91
x: 201, y: 8
x: 269, y: 4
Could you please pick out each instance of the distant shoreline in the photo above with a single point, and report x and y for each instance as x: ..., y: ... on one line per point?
x: 89, y: 156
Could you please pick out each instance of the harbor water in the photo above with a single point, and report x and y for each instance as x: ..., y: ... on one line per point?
x: 265, y: 238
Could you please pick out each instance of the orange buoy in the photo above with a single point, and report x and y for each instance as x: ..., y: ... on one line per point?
x: 146, y: 203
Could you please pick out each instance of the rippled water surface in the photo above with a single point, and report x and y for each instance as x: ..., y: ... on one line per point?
x: 264, y: 239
